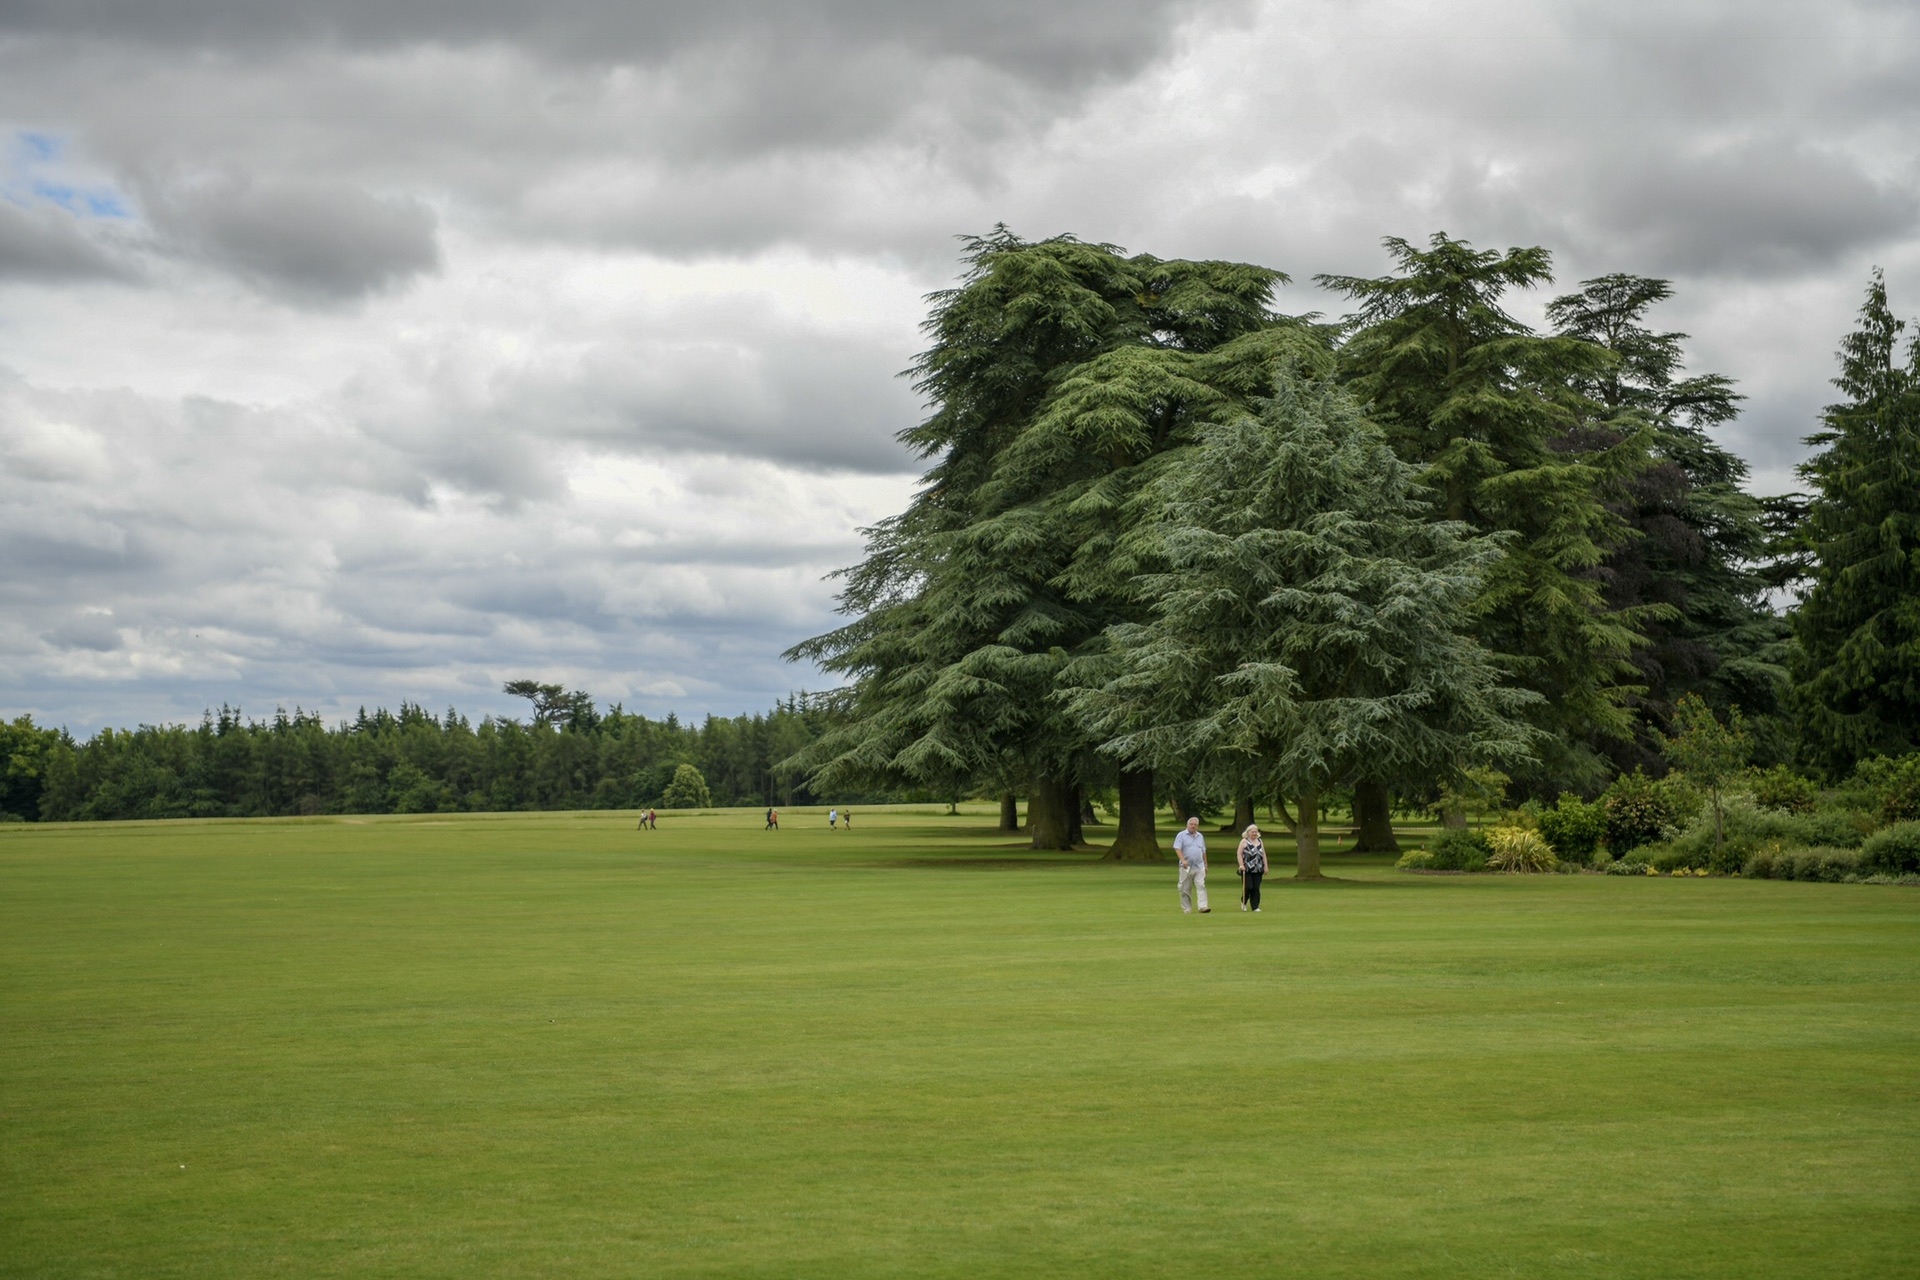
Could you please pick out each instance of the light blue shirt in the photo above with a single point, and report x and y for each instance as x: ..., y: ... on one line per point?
x: 1193, y: 845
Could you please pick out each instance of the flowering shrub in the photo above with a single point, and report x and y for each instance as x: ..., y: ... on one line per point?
x: 1515, y: 849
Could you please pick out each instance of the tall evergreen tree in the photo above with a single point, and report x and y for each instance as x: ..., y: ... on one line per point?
x: 1489, y: 410
x: 1857, y: 670
x: 1055, y: 367
x: 1308, y: 623
x: 1697, y: 537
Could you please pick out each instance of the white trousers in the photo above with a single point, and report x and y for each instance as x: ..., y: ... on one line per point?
x: 1193, y: 880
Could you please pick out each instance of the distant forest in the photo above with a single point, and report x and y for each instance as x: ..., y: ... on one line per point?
x: 567, y: 755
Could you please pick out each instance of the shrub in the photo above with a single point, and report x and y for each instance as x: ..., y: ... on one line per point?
x: 1894, y: 852
x: 1747, y: 831
x: 1642, y: 810
x: 1516, y: 849
x: 1764, y: 863
x: 1681, y: 855
x: 1454, y: 850
x: 1781, y: 789
x: 1828, y: 865
x: 1894, y: 785
x: 1784, y: 791
x: 1634, y: 864
x: 1822, y: 864
x: 1838, y: 828
x: 1415, y: 860
x: 1574, y: 827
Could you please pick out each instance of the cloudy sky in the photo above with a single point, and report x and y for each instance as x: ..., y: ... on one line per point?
x: 353, y: 350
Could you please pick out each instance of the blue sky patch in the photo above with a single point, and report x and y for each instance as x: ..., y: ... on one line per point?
x: 36, y: 174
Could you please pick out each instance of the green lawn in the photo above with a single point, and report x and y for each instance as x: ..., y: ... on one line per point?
x: 551, y: 1045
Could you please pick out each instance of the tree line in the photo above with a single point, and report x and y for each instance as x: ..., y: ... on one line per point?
x: 1175, y: 547
x: 567, y: 755
x: 1180, y: 547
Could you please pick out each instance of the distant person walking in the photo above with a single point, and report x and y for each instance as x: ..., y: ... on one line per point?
x: 653, y: 820
x: 846, y: 820
x: 833, y: 819
x: 1252, y: 858
x: 773, y: 819
x: 1191, y: 848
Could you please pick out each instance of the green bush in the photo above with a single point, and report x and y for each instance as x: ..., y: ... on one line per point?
x: 1454, y: 850
x: 1781, y: 789
x: 1894, y: 784
x: 1820, y: 864
x: 1643, y: 810
x: 1680, y: 855
x: 1634, y: 864
x: 1747, y: 830
x: 1894, y: 852
x: 1837, y: 827
x: 1518, y: 850
x: 1574, y: 827
x: 1415, y: 860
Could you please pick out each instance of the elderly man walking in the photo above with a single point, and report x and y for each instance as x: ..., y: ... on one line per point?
x: 1191, y: 848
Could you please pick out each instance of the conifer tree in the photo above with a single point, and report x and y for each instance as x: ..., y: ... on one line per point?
x: 1487, y: 409
x: 1054, y: 367
x: 1696, y: 537
x: 1307, y: 628
x: 1857, y: 685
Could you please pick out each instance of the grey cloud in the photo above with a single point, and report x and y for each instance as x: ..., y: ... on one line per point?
x: 1770, y: 206
x: 47, y: 245
x: 89, y: 630
x: 1072, y: 37
x: 310, y: 240
x: 231, y: 578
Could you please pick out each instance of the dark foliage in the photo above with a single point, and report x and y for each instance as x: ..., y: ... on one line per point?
x: 415, y: 762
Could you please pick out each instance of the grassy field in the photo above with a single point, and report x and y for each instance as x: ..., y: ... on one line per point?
x: 551, y: 1045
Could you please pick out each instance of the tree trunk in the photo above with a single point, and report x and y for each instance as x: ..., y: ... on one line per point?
x: 1373, y: 818
x: 1136, y: 842
x: 1049, y: 813
x: 1076, y: 821
x: 1280, y: 812
x: 1088, y: 818
x: 1306, y: 834
x: 1009, y: 812
x: 1453, y: 816
x: 1242, y: 816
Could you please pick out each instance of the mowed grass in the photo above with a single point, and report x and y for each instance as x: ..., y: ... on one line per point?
x: 551, y: 1045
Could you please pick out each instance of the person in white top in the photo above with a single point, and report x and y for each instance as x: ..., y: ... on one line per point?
x: 1191, y: 848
